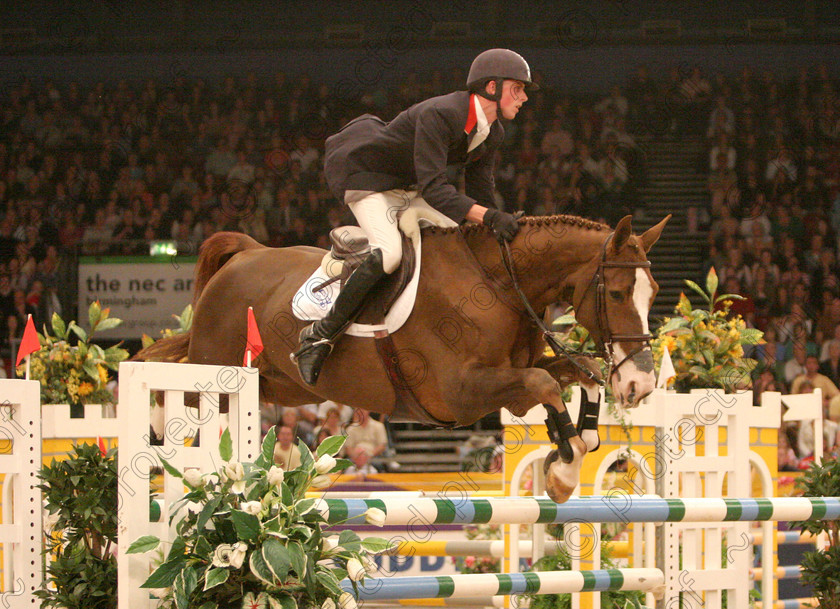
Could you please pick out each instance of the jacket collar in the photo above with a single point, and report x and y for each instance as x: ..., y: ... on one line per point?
x: 475, y: 116
x: 472, y: 116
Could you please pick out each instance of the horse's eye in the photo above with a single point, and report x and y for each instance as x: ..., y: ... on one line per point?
x: 616, y: 294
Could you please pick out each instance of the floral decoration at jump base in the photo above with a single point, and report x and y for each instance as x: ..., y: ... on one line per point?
x: 248, y: 537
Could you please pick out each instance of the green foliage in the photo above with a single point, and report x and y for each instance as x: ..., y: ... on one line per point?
x: 575, y: 336
x: 821, y: 480
x: 71, y: 368
x: 707, y: 345
x: 821, y: 569
x: 248, y: 534
x: 184, y: 324
x: 80, y: 495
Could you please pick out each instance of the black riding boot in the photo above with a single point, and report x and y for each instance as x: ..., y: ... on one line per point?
x: 316, y: 341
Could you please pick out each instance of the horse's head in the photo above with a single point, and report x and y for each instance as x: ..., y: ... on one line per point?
x: 612, y: 298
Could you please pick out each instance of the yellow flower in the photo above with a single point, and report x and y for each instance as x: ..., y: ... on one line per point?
x: 103, y: 374
x: 684, y: 305
x: 736, y: 351
x: 85, y: 388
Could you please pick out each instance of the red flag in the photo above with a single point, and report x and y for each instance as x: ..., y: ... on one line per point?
x: 254, y: 342
x: 29, y: 344
x: 101, y: 443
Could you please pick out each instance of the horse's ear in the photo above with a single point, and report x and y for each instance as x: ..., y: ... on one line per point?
x: 651, y: 235
x: 622, y: 233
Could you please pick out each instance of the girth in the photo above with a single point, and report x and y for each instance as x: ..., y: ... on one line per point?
x: 407, y: 408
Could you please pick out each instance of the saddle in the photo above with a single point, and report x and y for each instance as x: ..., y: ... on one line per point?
x: 349, y: 248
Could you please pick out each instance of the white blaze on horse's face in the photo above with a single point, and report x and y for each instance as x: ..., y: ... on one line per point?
x: 635, y: 378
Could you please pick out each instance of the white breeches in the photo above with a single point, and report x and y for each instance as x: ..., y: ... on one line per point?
x: 378, y: 215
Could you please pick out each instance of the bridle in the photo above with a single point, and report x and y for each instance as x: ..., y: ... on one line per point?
x: 601, y: 317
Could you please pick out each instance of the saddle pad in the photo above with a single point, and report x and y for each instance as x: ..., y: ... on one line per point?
x: 311, y: 306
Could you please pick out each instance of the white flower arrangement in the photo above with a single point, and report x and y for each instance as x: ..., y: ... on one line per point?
x: 257, y: 541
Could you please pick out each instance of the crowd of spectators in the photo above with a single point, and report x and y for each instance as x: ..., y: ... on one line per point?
x: 113, y: 167
x: 367, y: 445
x: 773, y: 169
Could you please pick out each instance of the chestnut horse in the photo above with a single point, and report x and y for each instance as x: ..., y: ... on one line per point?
x: 469, y: 346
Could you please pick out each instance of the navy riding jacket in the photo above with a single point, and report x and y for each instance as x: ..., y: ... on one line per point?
x: 413, y: 152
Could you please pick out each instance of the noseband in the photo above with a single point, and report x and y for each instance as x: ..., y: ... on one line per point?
x: 601, y: 317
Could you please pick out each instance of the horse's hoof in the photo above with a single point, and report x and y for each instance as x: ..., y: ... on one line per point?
x: 561, y: 476
x: 556, y: 494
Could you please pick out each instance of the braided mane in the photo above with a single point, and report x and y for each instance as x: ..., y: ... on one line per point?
x: 468, y: 229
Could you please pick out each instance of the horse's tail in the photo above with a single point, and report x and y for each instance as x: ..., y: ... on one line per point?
x: 214, y: 253
x: 170, y: 349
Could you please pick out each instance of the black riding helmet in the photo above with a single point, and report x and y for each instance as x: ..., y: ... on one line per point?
x: 498, y: 65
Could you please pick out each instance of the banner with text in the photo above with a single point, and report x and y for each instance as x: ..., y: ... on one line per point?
x: 144, y: 292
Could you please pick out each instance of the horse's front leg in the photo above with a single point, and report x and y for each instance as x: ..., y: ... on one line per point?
x: 590, y: 408
x: 519, y: 390
x: 565, y: 371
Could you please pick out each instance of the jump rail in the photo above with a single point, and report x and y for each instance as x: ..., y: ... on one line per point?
x: 493, y: 584
x: 420, y: 511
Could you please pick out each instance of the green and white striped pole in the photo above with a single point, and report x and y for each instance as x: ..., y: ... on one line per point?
x: 619, y: 507
x: 494, y: 584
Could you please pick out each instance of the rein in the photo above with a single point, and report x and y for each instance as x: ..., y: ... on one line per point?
x: 556, y: 347
x: 600, y: 312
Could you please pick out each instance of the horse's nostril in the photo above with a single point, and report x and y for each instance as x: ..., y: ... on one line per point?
x: 632, y: 394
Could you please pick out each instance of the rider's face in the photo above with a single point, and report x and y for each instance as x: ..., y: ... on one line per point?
x: 513, y: 97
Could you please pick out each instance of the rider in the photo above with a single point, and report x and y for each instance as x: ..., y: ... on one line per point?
x: 380, y: 168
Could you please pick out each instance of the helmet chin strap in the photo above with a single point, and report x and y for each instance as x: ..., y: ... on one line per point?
x: 496, y: 97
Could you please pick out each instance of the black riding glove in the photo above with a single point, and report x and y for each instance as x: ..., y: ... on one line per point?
x: 504, y: 225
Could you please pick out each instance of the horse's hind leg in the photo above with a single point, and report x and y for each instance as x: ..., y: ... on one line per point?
x: 518, y: 390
